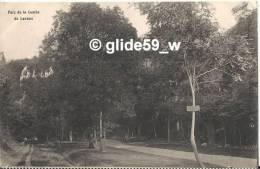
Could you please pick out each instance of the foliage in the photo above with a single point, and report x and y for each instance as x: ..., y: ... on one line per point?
x: 138, y: 92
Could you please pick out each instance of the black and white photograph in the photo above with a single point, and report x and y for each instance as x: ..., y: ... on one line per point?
x: 129, y: 84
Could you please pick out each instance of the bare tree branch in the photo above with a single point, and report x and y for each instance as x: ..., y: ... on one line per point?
x: 206, y: 72
x: 216, y: 68
x: 210, y: 81
x: 226, y: 72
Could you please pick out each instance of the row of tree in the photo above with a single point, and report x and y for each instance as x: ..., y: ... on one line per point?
x: 138, y: 93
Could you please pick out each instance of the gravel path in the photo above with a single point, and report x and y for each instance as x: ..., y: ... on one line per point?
x: 25, y: 151
x: 225, y: 161
x: 29, y: 157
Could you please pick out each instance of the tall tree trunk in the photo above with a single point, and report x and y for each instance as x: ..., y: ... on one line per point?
x: 192, y: 134
x: 168, y: 129
x: 154, y: 131
x: 47, y: 139
x: 104, y: 133
x: 225, y: 136
x: 182, y: 130
x: 71, y: 136
x: 139, y: 130
x: 57, y: 132
x: 210, y: 132
x: 60, y: 128
x: 95, y: 136
x: 104, y: 139
x: 100, y: 132
x: 62, y: 132
x: 240, y: 137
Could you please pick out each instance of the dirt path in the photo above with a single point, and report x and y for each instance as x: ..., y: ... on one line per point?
x: 45, y: 155
x: 225, y: 161
x: 26, y: 151
x: 80, y: 155
x: 29, y: 157
x: 14, y: 157
x: 26, y: 158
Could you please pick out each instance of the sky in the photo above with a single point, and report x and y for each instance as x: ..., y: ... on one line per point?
x: 21, y: 39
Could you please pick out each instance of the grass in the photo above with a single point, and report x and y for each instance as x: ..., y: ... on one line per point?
x: 14, y: 156
x: 44, y: 155
x: 78, y: 154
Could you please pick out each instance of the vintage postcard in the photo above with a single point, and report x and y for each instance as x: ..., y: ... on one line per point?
x: 129, y: 84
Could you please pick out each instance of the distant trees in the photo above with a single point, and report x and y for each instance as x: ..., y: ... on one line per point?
x: 4, y: 92
x: 89, y: 82
x: 207, y: 54
x: 139, y: 93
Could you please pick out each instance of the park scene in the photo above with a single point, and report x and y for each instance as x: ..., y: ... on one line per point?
x: 71, y: 105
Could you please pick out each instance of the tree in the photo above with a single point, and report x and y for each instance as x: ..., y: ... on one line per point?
x: 89, y: 81
x: 204, y: 50
x: 4, y: 92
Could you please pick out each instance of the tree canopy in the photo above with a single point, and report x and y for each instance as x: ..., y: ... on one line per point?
x: 139, y: 93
